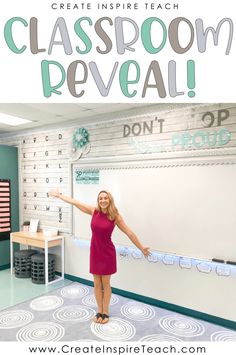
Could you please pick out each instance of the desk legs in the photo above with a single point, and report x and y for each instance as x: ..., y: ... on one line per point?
x: 62, y: 258
x: 46, y: 262
x: 11, y: 254
x: 62, y: 262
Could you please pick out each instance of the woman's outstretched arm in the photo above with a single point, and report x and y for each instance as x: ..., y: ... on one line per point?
x: 72, y: 201
x: 131, y: 235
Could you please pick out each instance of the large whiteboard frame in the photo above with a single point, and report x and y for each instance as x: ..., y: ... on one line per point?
x: 218, y: 242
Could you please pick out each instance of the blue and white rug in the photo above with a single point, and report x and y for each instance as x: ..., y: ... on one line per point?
x: 66, y: 315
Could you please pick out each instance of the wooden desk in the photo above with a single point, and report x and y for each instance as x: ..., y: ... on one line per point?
x: 40, y: 241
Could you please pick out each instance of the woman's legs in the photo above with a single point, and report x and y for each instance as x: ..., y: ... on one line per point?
x: 102, y: 292
x: 106, y: 295
x: 98, y: 292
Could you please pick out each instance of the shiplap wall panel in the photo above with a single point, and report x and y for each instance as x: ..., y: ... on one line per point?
x: 44, y: 166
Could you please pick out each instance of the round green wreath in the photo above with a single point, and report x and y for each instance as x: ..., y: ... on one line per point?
x: 80, y: 138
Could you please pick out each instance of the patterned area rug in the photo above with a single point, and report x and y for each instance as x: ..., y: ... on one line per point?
x: 66, y: 315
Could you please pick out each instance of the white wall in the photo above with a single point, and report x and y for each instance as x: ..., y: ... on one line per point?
x: 209, y: 293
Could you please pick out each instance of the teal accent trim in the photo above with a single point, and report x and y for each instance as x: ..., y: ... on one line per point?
x: 4, y: 267
x: 9, y: 170
x: 169, y: 306
x: 79, y: 279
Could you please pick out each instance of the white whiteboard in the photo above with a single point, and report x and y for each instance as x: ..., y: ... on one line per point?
x: 185, y: 210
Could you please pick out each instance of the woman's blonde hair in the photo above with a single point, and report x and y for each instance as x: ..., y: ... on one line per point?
x: 112, y: 211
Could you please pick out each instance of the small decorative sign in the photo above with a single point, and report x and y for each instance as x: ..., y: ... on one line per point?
x: 33, y: 225
x: 86, y: 177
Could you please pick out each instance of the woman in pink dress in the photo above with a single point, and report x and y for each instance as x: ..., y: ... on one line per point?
x: 102, y: 251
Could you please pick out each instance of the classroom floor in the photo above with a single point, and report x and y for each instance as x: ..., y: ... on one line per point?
x: 15, y: 290
x: 64, y: 311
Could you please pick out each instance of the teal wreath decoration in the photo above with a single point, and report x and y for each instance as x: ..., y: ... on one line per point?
x: 80, y: 138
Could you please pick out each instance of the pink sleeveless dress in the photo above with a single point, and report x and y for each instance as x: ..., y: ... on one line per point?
x: 102, y: 250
